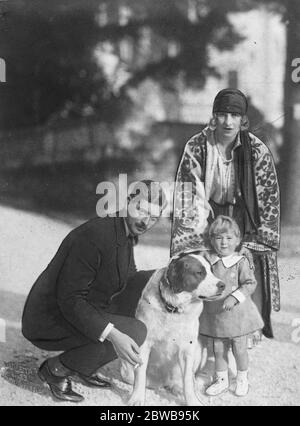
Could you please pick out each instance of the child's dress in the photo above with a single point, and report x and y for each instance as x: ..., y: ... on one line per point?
x: 244, y: 318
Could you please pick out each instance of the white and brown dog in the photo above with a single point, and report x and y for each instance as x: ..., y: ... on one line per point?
x: 170, y: 306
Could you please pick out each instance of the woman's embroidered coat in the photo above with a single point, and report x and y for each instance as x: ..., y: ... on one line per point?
x: 192, y: 208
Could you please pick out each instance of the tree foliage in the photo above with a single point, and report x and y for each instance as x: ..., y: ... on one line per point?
x: 49, y: 50
x: 52, y: 70
x: 191, y: 31
x: 51, y: 67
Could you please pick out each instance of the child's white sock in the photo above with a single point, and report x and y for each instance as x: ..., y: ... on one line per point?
x: 223, y: 375
x: 242, y: 374
x: 242, y: 384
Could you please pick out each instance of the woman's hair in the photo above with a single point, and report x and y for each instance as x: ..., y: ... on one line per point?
x: 213, y: 122
x: 224, y: 224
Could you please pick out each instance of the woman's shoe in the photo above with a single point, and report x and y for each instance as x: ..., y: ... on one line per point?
x: 61, y: 387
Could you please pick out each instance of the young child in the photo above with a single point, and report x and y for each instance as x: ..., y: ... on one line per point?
x: 230, y: 319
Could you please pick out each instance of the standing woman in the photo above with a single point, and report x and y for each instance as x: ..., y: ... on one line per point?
x: 227, y: 170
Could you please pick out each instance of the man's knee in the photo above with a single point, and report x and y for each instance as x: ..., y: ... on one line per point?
x: 130, y: 326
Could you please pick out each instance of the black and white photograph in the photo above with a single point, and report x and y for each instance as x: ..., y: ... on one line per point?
x: 149, y: 204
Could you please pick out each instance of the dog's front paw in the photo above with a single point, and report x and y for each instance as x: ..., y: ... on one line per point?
x: 175, y: 390
x: 196, y: 401
x: 136, y: 400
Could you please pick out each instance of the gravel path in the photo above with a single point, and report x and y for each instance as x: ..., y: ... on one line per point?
x: 28, y: 243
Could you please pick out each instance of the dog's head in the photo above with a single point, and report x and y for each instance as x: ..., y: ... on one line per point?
x: 192, y: 273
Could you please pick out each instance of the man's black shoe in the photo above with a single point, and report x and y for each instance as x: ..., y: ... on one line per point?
x: 61, y: 387
x: 94, y: 381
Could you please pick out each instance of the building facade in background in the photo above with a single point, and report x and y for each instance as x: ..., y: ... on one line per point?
x: 162, y: 120
x: 256, y: 66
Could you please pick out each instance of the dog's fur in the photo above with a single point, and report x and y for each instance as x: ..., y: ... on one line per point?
x: 172, y: 339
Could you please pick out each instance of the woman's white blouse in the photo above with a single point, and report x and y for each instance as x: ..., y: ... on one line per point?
x: 223, y: 183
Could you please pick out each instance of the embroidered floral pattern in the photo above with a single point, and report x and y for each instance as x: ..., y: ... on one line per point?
x: 188, y: 206
x: 267, y: 195
x: 274, y: 280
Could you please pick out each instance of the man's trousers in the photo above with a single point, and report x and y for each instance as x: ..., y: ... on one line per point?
x: 85, y: 356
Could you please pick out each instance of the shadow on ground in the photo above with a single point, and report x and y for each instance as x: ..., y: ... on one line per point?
x: 20, y: 360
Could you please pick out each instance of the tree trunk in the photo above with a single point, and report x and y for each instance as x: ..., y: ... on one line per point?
x: 290, y: 169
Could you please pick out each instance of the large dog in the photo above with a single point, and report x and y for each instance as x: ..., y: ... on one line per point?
x: 170, y: 306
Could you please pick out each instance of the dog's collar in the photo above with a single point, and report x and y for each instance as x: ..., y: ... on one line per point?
x: 169, y: 307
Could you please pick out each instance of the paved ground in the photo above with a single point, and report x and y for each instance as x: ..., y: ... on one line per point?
x: 28, y: 243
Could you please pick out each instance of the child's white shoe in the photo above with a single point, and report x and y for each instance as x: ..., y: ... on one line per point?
x: 242, y: 384
x: 220, y: 385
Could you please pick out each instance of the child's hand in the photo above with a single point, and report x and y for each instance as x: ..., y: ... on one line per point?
x: 229, y: 303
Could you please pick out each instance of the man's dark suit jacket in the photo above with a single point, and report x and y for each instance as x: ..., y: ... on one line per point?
x: 91, y: 266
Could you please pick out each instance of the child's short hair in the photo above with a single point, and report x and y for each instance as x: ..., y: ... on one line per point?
x: 224, y: 224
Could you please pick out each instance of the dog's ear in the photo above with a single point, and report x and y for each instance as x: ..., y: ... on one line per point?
x: 175, y: 275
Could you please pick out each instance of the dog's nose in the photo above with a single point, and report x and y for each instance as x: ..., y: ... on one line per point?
x: 221, y: 286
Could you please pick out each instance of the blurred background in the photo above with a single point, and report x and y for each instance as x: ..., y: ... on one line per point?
x: 90, y: 89
x: 96, y: 88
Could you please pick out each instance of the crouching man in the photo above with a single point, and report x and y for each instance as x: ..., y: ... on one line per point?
x: 71, y: 307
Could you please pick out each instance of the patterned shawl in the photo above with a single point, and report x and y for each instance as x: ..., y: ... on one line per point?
x: 193, y: 188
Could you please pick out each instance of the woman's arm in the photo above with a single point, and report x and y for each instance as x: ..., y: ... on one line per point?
x: 268, y: 199
x: 190, y: 207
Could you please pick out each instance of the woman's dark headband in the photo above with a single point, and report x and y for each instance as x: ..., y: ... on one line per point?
x: 231, y: 100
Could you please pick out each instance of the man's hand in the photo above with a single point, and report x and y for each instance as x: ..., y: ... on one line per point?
x: 229, y: 303
x: 125, y: 347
